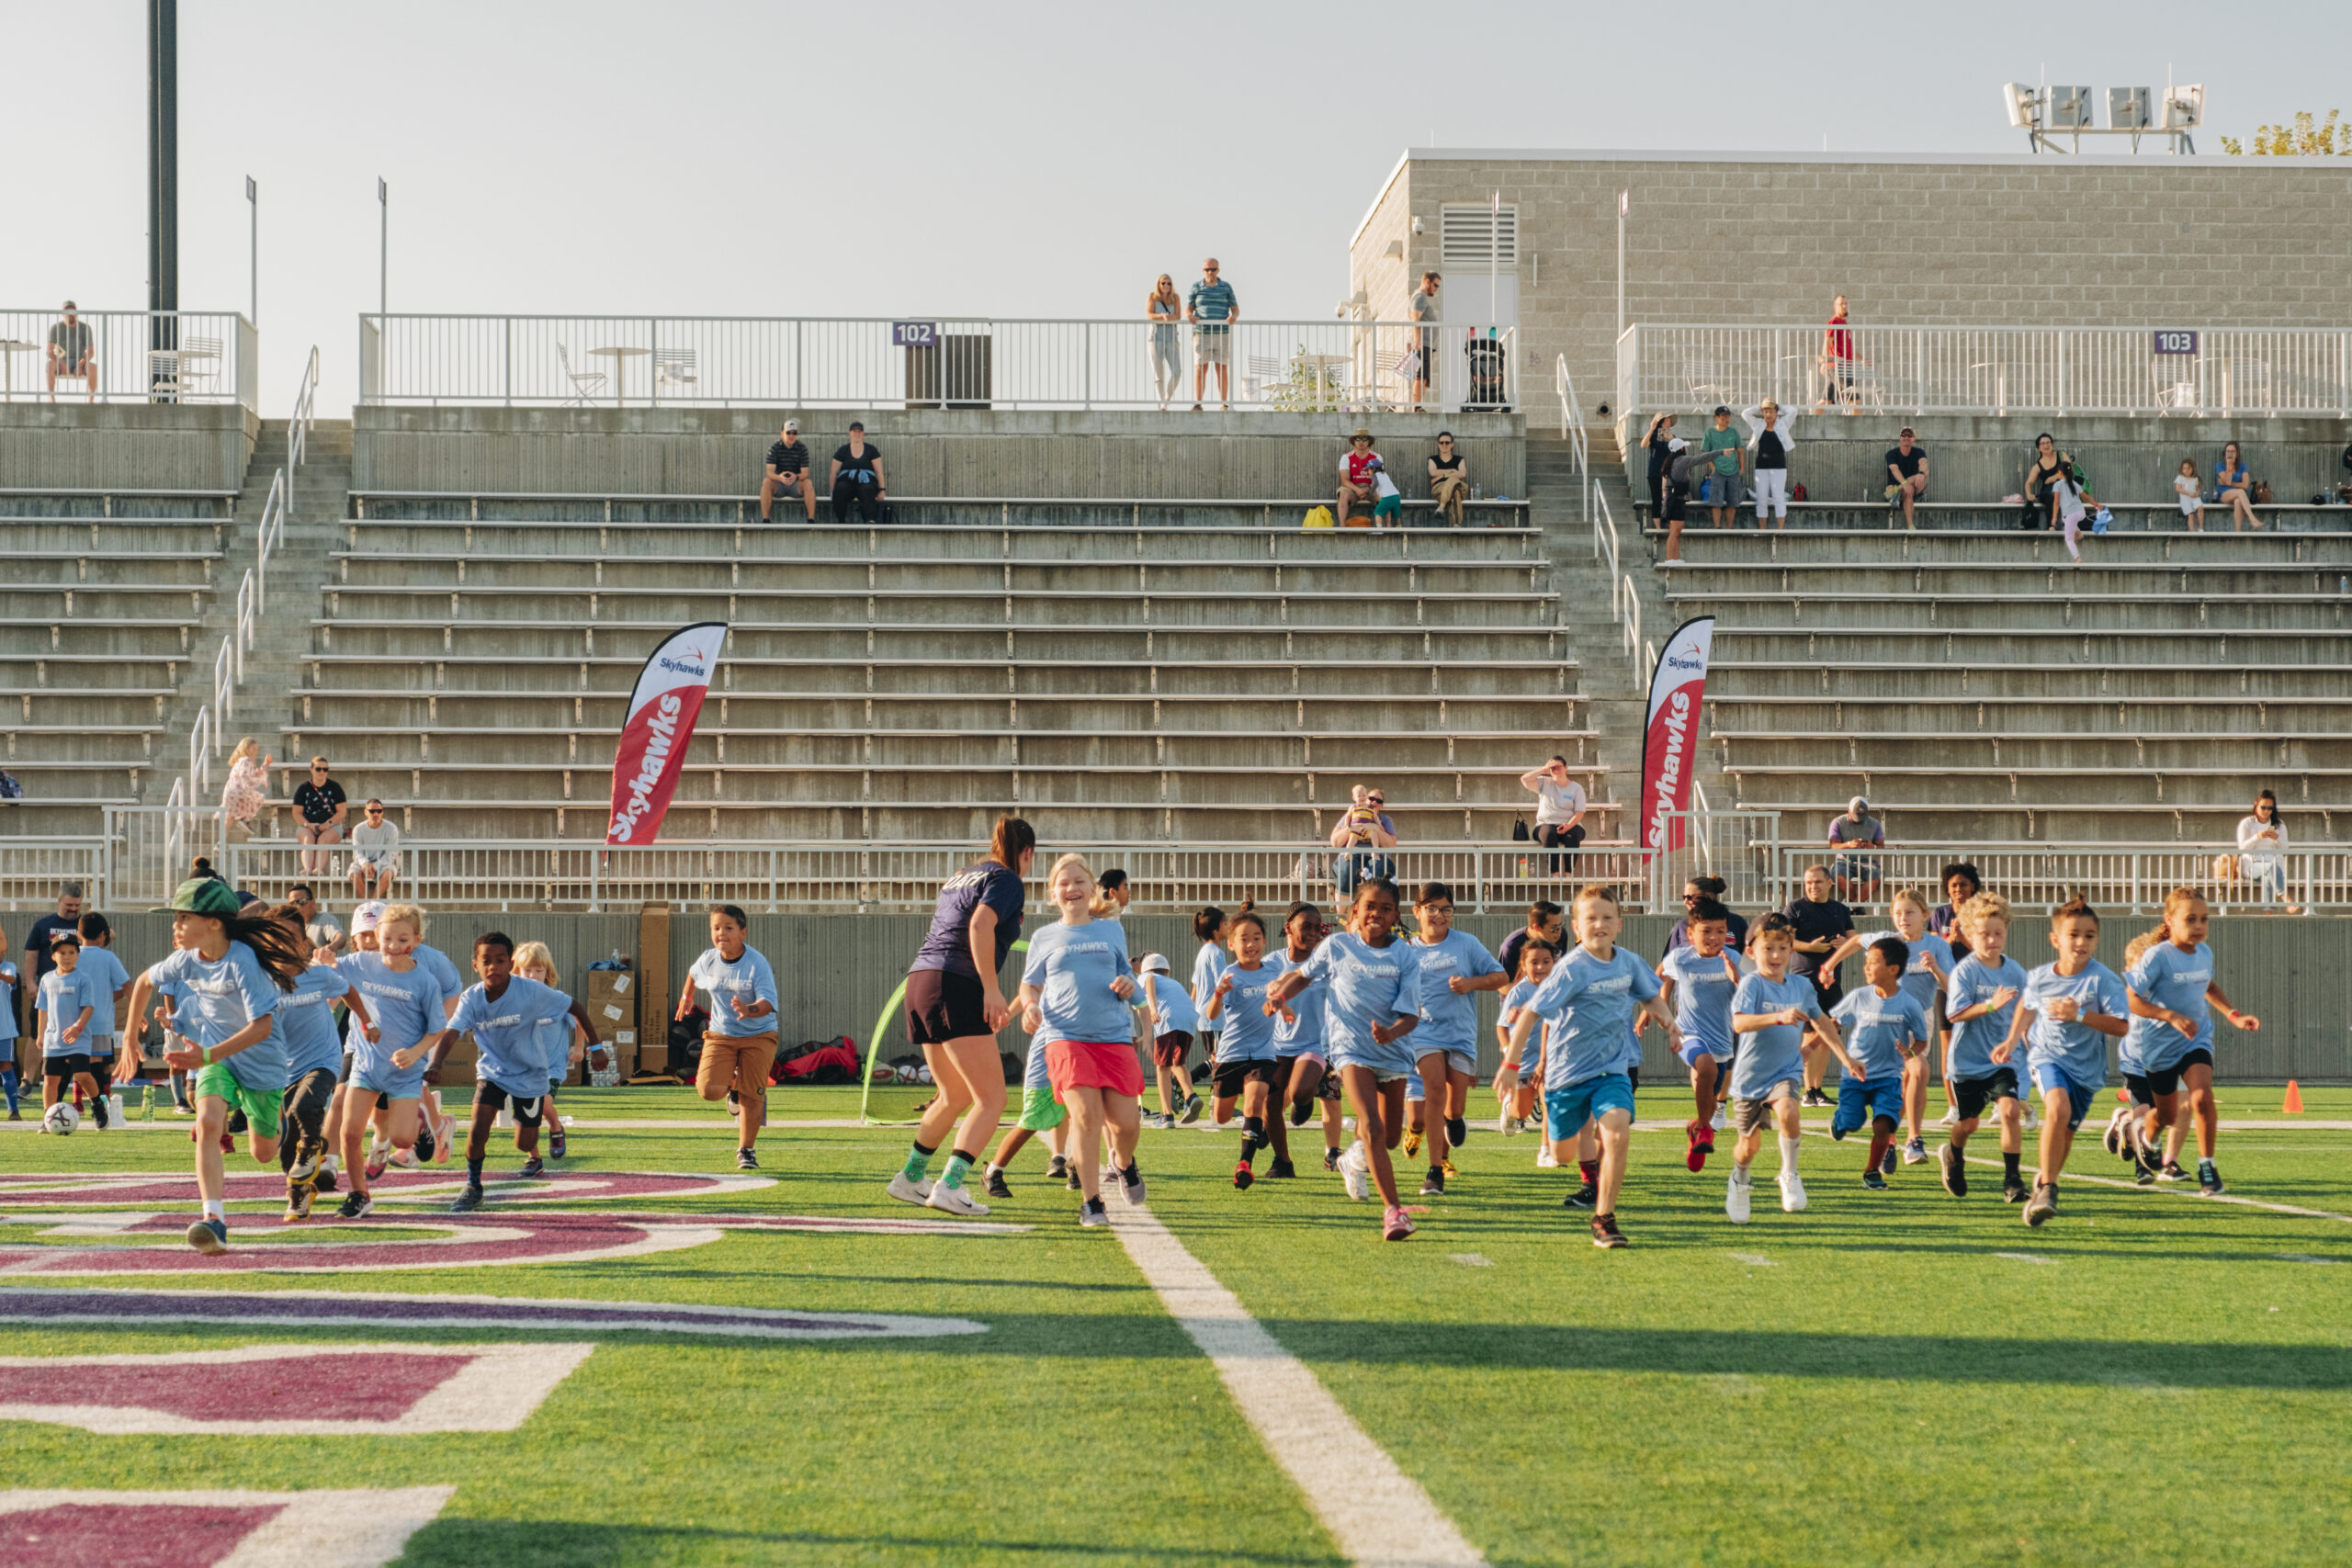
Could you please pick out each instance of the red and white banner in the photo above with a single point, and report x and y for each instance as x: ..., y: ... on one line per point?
x: 659, y: 721
x: 1670, y: 739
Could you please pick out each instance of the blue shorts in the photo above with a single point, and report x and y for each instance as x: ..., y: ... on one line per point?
x: 1566, y: 1111
x: 391, y: 1085
x: 2048, y: 1076
x: 1859, y: 1100
x: 1413, y: 1087
x: 1693, y: 1048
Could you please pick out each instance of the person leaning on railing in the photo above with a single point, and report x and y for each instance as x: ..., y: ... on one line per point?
x: 1213, y: 309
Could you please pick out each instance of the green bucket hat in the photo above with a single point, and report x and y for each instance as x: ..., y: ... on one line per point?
x: 204, y: 895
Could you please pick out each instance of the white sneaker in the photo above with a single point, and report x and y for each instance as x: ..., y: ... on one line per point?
x: 1951, y: 1118
x: 1792, y: 1192
x: 1356, y: 1173
x: 405, y: 1160
x: 1722, y: 1119
x: 1506, y: 1124
x: 950, y: 1201
x: 1737, y: 1194
x: 1545, y: 1159
x: 905, y: 1191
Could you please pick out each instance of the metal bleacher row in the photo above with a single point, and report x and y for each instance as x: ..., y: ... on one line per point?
x: 1182, y: 670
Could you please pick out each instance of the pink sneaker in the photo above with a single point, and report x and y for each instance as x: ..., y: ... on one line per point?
x: 1396, y: 1225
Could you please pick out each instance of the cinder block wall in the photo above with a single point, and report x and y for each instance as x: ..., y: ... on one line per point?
x: 75, y: 446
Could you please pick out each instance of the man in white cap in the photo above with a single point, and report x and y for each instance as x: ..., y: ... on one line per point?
x: 1857, y: 875
x: 787, y: 473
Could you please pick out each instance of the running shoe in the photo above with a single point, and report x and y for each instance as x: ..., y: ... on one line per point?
x: 2142, y: 1173
x: 467, y: 1200
x: 1192, y: 1111
x: 1093, y: 1215
x: 1792, y: 1197
x: 2170, y: 1171
x: 1584, y: 1197
x: 1954, y: 1166
x: 1815, y: 1097
x: 228, y: 1144
x: 953, y: 1200
x: 1838, y: 1131
x: 555, y: 1137
x: 327, y: 1182
x: 2032, y: 1119
x: 405, y: 1158
x: 1131, y: 1183
x: 299, y: 1199
x: 996, y: 1188
x: 1412, y: 1142
x: 305, y: 1168
x: 1915, y: 1152
x: 1433, y: 1184
x: 98, y: 1112
x: 919, y: 1192
x: 535, y: 1167
x: 375, y: 1168
x: 209, y: 1236
x: 1545, y: 1159
x: 1696, y: 1158
x: 1736, y: 1195
x: 1504, y: 1121
x: 734, y: 1106
x: 1070, y: 1174
x: 1056, y: 1168
x: 1951, y: 1118
x: 1242, y: 1175
x: 1722, y: 1119
x: 2042, y: 1205
x: 1354, y: 1174
x: 745, y: 1160
x: 1281, y: 1170
x: 1886, y: 1161
x: 2112, y: 1140
x: 1457, y: 1131
x: 1605, y: 1234
x: 356, y: 1206
x: 1873, y: 1180
x: 1330, y: 1160
x: 237, y: 1122
x: 2013, y: 1190
x: 2209, y: 1179
x: 1395, y: 1225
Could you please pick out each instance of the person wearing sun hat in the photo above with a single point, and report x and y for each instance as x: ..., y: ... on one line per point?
x: 1359, y: 471
x: 227, y: 970
x: 1768, y: 442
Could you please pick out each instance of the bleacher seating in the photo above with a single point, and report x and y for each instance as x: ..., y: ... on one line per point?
x: 1137, y: 673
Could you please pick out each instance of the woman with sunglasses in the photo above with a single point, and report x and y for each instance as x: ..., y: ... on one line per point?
x: 1449, y: 481
x: 1165, y: 308
x: 320, y: 807
x: 375, y: 855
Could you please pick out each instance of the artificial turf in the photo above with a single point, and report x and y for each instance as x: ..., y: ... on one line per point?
x: 2151, y: 1378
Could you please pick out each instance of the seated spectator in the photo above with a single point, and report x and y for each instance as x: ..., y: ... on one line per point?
x: 857, y: 476
x: 1907, y: 472
x: 1358, y: 468
x: 1363, y: 826
x: 375, y: 855
x: 73, y: 353
x: 2262, y: 845
x: 1559, y: 809
x: 788, y: 473
x: 1857, y: 875
x: 2192, y: 500
x: 2043, y: 472
x: 320, y: 807
x: 1449, y: 480
x: 2233, y: 488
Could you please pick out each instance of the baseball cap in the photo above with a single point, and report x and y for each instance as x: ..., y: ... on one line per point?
x: 1723, y: 409
x: 1857, y: 804
x: 1678, y: 445
x: 368, y: 917
x: 1907, y: 430
x: 792, y: 427
x: 1153, y: 963
x: 204, y: 896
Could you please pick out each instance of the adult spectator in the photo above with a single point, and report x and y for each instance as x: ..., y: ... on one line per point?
x: 1163, y: 307
x: 1212, y: 310
x: 1906, y: 473
x: 1684, y: 468
x: 1768, y: 451
x: 1658, y: 442
x: 2233, y: 488
x: 1730, y: 453
x: 857, y: 476
x: 1694, y: 891
x: 246, y: 789
x: 1545, y: 923
x: 67, y: 918
x: 321, y: 806
x: 1449, y: 480
x: 1821, y: 923
x: 2045, y: 473
x: 305, y: 903
x: 1425, y: 308
x: 73, y: 351
x: 787, y: 473
x: 1836, y: 359
x: 1857, y: 875
x: 1362, y: 827
x: 2262, y: 850
x: 1961, y: 882
x: 1559, y: 809
x: 1359, y: 467
x: 375, y: 855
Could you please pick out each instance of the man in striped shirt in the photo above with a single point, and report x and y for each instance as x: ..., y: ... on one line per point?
x: 1212, y: 310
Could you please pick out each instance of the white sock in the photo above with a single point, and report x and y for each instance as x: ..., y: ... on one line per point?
x: 216, y: 1208
x: 1740, y: 1174
x: 1789, y: 1154
x: 995, y: 1169
x: 334, y: 1166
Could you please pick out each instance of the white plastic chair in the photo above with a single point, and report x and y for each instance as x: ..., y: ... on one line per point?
x: 585, y: 383
x: 673, y: 368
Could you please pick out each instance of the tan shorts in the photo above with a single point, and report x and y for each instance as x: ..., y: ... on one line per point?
x: 1750, y: 1114
x: 740, y: 1062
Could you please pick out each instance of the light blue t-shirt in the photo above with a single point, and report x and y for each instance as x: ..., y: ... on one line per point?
x: 1207, y: 965
x: 2167, y: 978
x: 1774, y: 1052
x: 108, y: 977
x: 1591, y: 1004
x: 2076, y: 1048
x: 1450, y: 1021
x: 1171, y: 1005
x: 1072, y: 967
x: 1702, y: 992
x: 1369, y: 985
x: 748, y: 979
x: 1244, y: 1032
x: 1877, y: 1029
x: 212, y: 1001
x: 305, y: 1021
x: 8, y: 979
x: 2132, y: 1055
x: 1974, y: 981
x: 507, y: 1036
x: 1918, y: 981
x: 1514, y: 1001
x: 436, y: 963
x: 1301, y: 1033
x: 406, y: 1007
x: 63, y: 998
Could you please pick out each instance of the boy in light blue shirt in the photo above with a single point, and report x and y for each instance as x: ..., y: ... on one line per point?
x: 2068, y: 1012
x: 1699, y: 979
x: 1884, y: 1027
x: 1771, y: 1011
x: 64, y: 1005
x: 1981, y: 998
x: 1455, y: 967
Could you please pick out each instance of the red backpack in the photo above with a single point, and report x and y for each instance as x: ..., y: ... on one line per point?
x: 834, y: 1061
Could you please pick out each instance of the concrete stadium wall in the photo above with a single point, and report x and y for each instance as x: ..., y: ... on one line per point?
x: 834, y: 972
x: 126, y: 446
x: 1767, y: 238
x: 958, y: 452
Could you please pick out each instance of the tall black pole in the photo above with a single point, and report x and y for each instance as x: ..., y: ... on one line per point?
x: 163, y: 170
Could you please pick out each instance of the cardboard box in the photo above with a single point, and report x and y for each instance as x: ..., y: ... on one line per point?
x: 653, y: 970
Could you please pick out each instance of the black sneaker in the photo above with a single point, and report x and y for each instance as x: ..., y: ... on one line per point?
x: 467, y: 1200
x: 2170, y: 1171
x: 534, y: 1166
x: 1093, y: 1215
x: 327, y: 1182
x: 1954, y: 1166
x: 1584, y: 1197
x: 744, y: 1160
x: 2013, y: 1190
x: 2142, y: 1173
x: 555, y: 1140
x: 1281, y: 1170
x: 2209, y: 1179
x: 1814, y: 1096
x: 1070, y: 1174
x: 996, y: 1188
x: 1873, y: 1180
x: 1433, y: 1184
x: 1056, y: 1168
x: 1886, y: 1161
x: 237, y: 1123
x: 98, y: 1112
x: 356, y: 1206
x: 1605, y: 1234
x: 1837, y: 1131
x: 425, y: 1143
x: 1330, y: 1160
x: 1457, y: 1131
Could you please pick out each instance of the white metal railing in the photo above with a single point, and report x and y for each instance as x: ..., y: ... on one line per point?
x: 2132, y: 877
x: 298, y: 428
x: 931, y: 362
x: 1572, y: 431
x: 137, y: 356
x: 1625, y: 593
x: 199, y: 754
x: 1916, y: 370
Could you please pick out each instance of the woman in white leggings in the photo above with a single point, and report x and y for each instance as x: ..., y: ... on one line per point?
x: 1769, y: 442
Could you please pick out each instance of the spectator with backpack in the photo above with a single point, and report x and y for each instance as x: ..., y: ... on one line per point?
x: 1684, y: 467
x: 2052, y: 478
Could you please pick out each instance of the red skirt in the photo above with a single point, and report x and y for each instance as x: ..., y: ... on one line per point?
x: 1090, y: 1064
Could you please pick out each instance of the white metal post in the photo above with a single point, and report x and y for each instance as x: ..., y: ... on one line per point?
x: 383, y: 256
x: 1624, y: 200
x: 252, y: 254
x: 1494, y: 253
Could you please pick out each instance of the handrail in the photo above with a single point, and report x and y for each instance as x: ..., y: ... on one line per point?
x: 1625, y: 597
x: 298, y: 428
x: 266, y: 535
x: 1572, y: 431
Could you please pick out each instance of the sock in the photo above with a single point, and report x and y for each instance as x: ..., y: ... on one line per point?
x: 1789, y: 1153
x: 918, y: 1164
x: 995, y: 1169
x: 2009, y: 1166
x: 334, y: 1164
x: 1253, y: 1135
x: 216, y: 1208
x: 8, y: 1085
x: 958, y: 1165
x: 473, y: 1173
x: 1591, y: 1171
x: 1740, y: 1173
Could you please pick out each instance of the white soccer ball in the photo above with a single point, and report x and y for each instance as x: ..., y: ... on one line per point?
x: 63, y: 1118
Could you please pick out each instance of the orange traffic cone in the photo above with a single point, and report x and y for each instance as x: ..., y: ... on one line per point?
x: 2294, y: 1106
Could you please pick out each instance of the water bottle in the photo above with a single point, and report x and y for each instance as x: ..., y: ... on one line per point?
x: 1478, y: 493
x: 2343, y: 585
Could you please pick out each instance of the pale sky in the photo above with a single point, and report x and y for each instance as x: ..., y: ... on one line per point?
x: 709, y: 157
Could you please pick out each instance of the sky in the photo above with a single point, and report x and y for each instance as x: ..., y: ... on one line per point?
x: 709, y: 157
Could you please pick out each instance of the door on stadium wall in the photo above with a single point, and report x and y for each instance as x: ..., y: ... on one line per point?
x: 1470, y: 232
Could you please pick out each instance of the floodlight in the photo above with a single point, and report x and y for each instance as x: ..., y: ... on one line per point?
x: 2020, y: 101
x: 2070, y: 108
x: 2185, y: 107
x: 2127, y: 109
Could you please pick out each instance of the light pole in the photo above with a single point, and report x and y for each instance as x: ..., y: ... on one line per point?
x: 383, y: 251
x: 1622, y: 201
x: 252, y: 254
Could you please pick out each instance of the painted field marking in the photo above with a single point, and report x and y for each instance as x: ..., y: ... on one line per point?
x: 554, y: 1315
x: 220, y: 1529
x: 353, y: 1390
x: 2304, y: 1257
x: 2027, y: 1258
x: 1753, y: 1259
x: 113, y: 1190
x: 1378, y: 1516
x: 1471, y: 1259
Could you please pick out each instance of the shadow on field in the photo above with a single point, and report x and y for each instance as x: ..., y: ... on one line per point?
x: 501, y: 1543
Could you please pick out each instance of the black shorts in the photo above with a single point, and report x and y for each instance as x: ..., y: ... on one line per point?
x: 1230, y: 1076
x: 1970, y: 1095
x: 1678, y: 497
x: 64, y: 1066
x: 2144, y: 1094
x: 528, y: 1110
x: 306, y: 1103
x: 943, y: 1005
x: 2169, y: 1080
x: 343, y: 1073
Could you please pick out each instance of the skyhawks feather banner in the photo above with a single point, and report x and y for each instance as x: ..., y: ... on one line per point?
x: 1670, y: 739
x: 659, y: 721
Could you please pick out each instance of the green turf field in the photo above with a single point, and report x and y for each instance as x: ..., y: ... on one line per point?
x: 2152, y: 1378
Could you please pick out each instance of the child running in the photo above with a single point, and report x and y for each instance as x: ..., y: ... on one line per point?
x: 1697, y: 980
x: 1245, y: 1061
x: 1302, y: 1069
x: 1924, y: 975
x: 1040, y: 1112
x: 110, y: 986
x: 305, y: 1024
x: 365, y: 919
x: 1515, y: 1079
x: 1769, y: 1012
x: 226, y: 974
x: 1208, y: 961
x: 2134, y: 1133
x: 62, y: 1007
x: 2171, y: 986
x: 1590, y: 1004
x: 1174, y: 1022
x: 2069, y: 1010
x: 1885, y: 1028
x: 1455, y: 966
x: 1984, y: 988
x: 388, y: 1077
x: 738, y: 1043
x: 1373, y: 1003
x: 533, y: 961
x: 1074, y: 993
x: 508, y: 1015
x: 9, y: 1081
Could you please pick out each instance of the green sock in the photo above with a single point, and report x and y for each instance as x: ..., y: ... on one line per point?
x: 958, y: 1164
x: 918, y: 1164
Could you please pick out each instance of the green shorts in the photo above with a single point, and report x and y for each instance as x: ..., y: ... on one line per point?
x: 261, y: 1108
x: 1040, y: 1112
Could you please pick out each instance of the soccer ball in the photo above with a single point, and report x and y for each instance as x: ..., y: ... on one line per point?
x: 63, y: 1118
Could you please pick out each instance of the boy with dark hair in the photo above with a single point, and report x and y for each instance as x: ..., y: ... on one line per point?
x: 505, y: 1012
x: 1882, y: 1023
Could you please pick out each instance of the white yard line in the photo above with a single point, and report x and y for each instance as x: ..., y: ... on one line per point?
x: 1378, y: 1516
